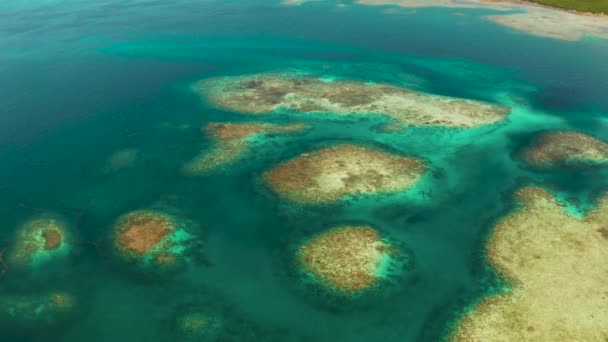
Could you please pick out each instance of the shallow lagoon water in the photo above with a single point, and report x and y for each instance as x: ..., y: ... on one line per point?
x: 82, y: 81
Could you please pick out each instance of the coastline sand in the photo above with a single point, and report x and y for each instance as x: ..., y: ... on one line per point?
x: 527, y: 17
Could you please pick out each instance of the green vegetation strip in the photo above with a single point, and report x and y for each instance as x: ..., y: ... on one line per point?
x: 594, y: 6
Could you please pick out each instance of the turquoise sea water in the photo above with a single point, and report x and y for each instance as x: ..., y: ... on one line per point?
x: 82, y: 80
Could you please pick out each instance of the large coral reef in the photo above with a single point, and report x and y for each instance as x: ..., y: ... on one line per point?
x: 265, y: 93
x: 556, y: 266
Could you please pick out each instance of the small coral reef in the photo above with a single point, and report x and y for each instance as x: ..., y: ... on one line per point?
x: 556, y: 266
x: 333, y: 173
x: 232, y: 142
x: 40, y: 241
x: 22, y: 313
x: 199, y: 325
x: 571, y: 149
x: 265, y: 93
x: 349, y: 259
x: 153, y: 240
x: 208, y: 316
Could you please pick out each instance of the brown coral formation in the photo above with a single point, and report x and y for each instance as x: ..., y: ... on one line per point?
x: 333, y: 173
x: 264, y: 93
x: 556, y: 264
x: 347, y: 259
x: 139, y: 231
x: 565, y: 148
x: 231, y: 142
x: 52, y: 238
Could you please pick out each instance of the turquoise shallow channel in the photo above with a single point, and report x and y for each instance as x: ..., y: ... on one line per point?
x: 98, y: 118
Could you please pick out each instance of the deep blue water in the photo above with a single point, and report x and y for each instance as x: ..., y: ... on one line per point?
x: 82, y: 80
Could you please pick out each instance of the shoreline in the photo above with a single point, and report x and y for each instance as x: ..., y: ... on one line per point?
x: 492, y: 4
x: 535, y: 19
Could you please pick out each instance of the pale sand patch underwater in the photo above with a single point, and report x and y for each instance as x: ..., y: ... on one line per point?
x: 266, y: 93
x: 121, y: 159
x: 35, y: 310
x: 296, y: 2
x: 556, y: 264
x: 231, y: 142
x: 333, y: 173
x: 534, y: 19
x: 565, y: 148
